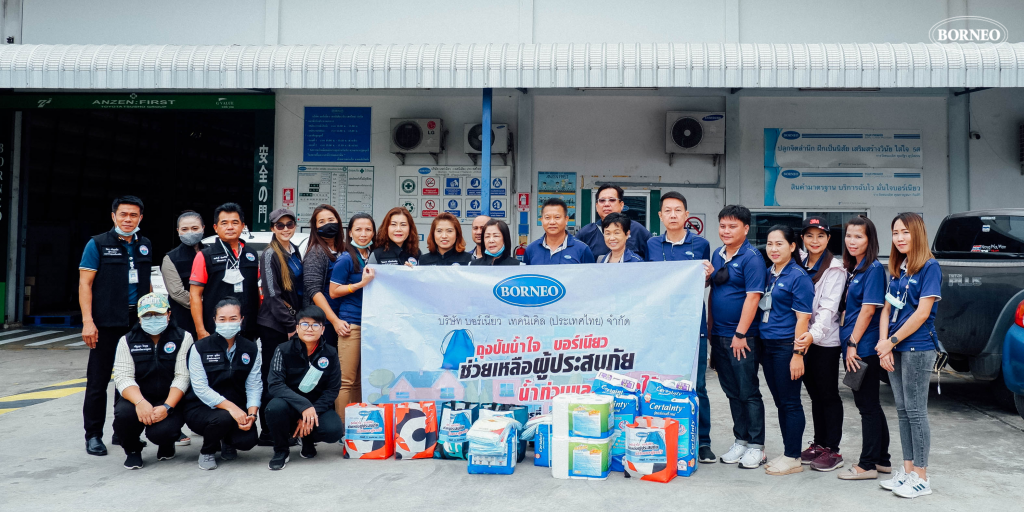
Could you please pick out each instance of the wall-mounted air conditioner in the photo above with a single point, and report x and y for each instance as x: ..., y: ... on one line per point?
x: 416, y: 136
x: 473, y: 140
x: 695, y: 133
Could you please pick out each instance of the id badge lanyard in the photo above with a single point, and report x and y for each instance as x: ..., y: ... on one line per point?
x: 849, y: 281
x: 766, y: 301
x: 896, y: 301
x: 232, y: 275
x: 133, y: 273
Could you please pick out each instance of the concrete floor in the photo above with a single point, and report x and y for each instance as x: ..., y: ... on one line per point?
x: 977, y: 458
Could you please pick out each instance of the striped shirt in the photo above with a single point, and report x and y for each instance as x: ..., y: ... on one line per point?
x: 124, y: 366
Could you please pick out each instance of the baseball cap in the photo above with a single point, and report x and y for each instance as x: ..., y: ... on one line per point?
x: 281, y: 212
x: 153, y: 303
x: 815, y: 222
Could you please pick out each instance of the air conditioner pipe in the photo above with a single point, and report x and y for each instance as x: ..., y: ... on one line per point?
x: 485, y: 156
x: 655, y: 184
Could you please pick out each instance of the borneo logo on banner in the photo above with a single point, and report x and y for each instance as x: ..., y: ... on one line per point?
x: 525, y: 335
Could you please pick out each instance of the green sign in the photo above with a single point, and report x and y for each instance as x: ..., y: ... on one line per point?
x: 263, y: 172
x: 137, y: 101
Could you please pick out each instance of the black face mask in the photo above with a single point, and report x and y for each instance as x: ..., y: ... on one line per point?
x: 329, y: 230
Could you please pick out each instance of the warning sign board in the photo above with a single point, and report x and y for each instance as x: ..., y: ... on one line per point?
x: 429, y: 208
x: 430, y: 187
x: 696, y: 223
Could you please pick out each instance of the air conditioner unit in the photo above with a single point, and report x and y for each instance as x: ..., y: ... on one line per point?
x: 416, y: 136
x: 473, y: 140
x: 695, y: 133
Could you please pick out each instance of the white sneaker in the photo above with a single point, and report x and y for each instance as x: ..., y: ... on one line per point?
x: 913, y: 487
x: 898, y: 478
x: 753, y: 458
x: 734, y: 454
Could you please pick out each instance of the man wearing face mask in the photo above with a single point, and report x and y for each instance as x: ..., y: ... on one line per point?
x: 115, y: 270
x: 225, y: 373
x: 227, y: 268
x: 177, y: 267
x: 151, y: 373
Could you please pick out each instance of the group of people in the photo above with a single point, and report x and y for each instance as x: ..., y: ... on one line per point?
x: 800, y: 318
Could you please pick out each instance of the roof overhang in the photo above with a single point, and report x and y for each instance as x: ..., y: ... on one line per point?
x: 459, y: 66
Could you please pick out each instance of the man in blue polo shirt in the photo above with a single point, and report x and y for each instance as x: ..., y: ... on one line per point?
x: 736, y: 287
x: 678, y: 244
x: 557, y: 246
x: 609, y: 200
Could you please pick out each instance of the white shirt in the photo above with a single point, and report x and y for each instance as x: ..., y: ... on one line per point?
x: 828, y: 291
x: 556, y: 250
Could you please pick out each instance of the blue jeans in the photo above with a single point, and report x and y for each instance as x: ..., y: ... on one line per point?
x: 786, y: 392
x: 738, y: 378
x: 703, y: 404
x: 910, y: 381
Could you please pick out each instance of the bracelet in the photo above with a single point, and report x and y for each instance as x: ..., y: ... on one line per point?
x: 350, y: 290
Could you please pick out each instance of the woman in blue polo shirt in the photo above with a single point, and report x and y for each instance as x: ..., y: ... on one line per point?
x: 858, y: 329
x: 908, y: 346
x: 349, y: 277
x: 616, y: 234
x: 785, y: 314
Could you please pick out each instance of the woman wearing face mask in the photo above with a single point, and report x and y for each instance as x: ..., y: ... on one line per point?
x: 908, y: 346
x: 497, y: 245
x: 865, y: 296
x: 151, y: 373
x: 325, y: 243
x: 281, y: 274
x: 349, y: 277
x: 177, y: 267
x: 821, y: 364
x: 397, y: 242
x: 616, y: 233
x: 445, y: 243
x: 785, y: 313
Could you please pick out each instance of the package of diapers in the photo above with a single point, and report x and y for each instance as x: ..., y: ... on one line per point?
x: 492, y: 446
x: 454, y: 423
x: 582, y: 415
x: 538, y: 430
x: 516, y: 412
x: 626, y: 407
x: 652, y: 448
x: 679, y: 404
x: 369, y: 431
x: 581, y: 457
x: 415, y: 430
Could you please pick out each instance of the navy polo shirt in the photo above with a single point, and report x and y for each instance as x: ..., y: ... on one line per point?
x: 792, y: 293
x: 573, y: 251
x: 692, y: 248
x: 593, y: 235
x: 747, y: 274
x: 866, y: 287
x: 350, y: 306
x: 911, y: 289
x: 628, y: 256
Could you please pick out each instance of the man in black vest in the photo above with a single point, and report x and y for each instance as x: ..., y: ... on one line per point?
x: 151, y: 373
x: 113, y: 274
x: 304, y: 380
x: 227, y: 268
x: 177, y: 267
x: 226, y: 376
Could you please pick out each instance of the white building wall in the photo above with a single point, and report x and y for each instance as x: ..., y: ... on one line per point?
x: 996, y: 176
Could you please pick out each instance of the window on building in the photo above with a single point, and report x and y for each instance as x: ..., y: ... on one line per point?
x: 506, y: 390
x: 448, y: 393
x: 402, y: 395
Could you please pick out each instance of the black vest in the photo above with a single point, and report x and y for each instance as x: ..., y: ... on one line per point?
x: 224, y: 376
x: 182, y: 258
x: 216, y: 289
x: 154, y: 364
x: 110, y: 285
x: 296, y: 362
x: 392, y: 255
x: 449, y: 258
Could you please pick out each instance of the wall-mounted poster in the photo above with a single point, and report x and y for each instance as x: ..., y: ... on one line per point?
x: 557, y: 184
x: 336, y: 134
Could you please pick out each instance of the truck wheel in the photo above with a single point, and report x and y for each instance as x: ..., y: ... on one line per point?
x: 1019, y: 399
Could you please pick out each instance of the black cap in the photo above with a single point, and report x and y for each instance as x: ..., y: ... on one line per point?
x: 815, y: 222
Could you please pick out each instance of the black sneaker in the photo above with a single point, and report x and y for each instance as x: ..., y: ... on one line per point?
x: 116, y: 440
x: 265, y: 439
x: 133, y: 460
x: 706, y: 456
x: 308, y: 450
x: 165, y: 452
x: 228, y: 452
x: 278, y: 461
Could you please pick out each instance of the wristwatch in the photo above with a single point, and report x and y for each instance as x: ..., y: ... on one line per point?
x: 799, y: 352
x: 893, y: 339
x: 740, y: 335
x: 169, y: 408
x: 850, y: 342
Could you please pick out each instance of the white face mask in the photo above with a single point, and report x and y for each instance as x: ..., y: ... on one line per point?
x: 229, y: 329
x: 154, y: 324
x: 122, y: 233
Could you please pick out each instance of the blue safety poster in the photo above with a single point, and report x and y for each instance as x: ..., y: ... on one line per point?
x: 336, y: 134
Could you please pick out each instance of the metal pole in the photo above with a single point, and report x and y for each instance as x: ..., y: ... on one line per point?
x: 485, y: 157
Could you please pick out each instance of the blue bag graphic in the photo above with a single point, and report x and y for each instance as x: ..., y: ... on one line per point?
x: 456, y: 347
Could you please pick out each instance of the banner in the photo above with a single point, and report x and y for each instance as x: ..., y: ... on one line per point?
x: 526, y: 334
x: 842, y: 167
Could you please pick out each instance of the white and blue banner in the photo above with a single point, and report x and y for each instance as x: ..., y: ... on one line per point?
x: 525, y: 334
x: 842, y: 167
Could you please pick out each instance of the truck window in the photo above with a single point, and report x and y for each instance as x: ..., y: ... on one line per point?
x: 985, y: 234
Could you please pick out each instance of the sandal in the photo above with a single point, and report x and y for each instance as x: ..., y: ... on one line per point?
x: 784, y: 466
x: 853, y: 474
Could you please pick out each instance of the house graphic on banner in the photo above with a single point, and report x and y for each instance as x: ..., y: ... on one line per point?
x: 438, y: 385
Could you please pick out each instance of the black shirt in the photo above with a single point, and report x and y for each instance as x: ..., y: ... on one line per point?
x: 451, y: 257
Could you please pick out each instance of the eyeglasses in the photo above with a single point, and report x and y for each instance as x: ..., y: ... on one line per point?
x: 310, y: 326
x: 285, y: 225
x: 605, y: 200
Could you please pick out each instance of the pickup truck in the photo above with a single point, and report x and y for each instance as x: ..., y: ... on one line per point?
x: 982, y: 258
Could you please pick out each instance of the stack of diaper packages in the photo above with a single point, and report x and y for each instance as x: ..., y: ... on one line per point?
x: 415, y: 430
x: 453, y: 429
x: 676, y: 400
x: 492, y: 446
x: 652, y: 448
x: 538, y: 430
x: 582, y: 436
x: 369, y: 431
x: 626, y: 392
x: 516, y: 412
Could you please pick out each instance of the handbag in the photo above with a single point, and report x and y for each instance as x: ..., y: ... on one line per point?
x: 941, y: 359
x: 854, y: 380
